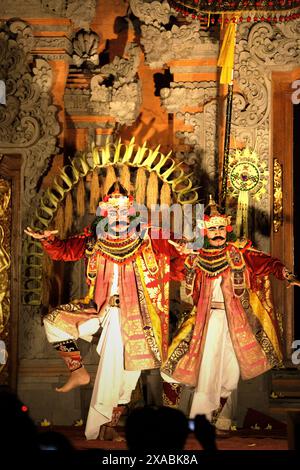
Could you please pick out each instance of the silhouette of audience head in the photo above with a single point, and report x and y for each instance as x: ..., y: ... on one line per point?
x: 156, y: 428
x: 205, y: 433
x: 20, y: 439
x: 52, y: 440
x: 18, y: 433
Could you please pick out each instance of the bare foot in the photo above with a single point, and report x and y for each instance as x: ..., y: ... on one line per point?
x: 77, y: 378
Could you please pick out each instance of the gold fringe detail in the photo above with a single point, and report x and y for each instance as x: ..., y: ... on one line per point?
x: 152, y: 189
x: 80, y: 203
x: 125, y: 178
x: 165, y: 194
x: 68, y: 213
x: 94, y: 192
x: 59, y: 220
x: 140, y: 186
x: 109, y: 179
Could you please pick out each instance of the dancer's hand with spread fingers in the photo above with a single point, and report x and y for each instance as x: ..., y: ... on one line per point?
x: 40, y: 235
x: 181, y: 247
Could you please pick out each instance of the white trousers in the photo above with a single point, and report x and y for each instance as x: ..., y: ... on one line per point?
x: 113, y: 384
x: 219, y: 371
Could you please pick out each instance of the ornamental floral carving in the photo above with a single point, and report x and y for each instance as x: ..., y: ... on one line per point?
x: 275, y: 45
x: 122, y: 99
x: 28, y: 123
x: 123, y: 69
x: 202, y: 139
x: 260, y: 49
x: 151, y: 13
x: 85, y: 48
x: 161, y: 46
x: 81, y: 13
x: 183, y: 94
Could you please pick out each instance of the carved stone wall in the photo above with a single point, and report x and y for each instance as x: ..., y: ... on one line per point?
x: 113, y: 90
x: 191, y: 54
x: 28, y: 122
x: 80, y: 13
x: 261, y: 48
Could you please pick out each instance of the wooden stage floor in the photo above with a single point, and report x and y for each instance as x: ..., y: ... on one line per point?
x: 236, y: 440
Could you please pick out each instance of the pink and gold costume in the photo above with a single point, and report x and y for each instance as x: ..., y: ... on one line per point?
x: 232, y: 329
x: 129, y: 299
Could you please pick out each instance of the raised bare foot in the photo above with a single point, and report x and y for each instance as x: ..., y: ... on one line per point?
x: 77, y: 378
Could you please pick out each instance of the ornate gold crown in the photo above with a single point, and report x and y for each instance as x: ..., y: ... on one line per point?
x: 116, y: 198
x: 212, y: 216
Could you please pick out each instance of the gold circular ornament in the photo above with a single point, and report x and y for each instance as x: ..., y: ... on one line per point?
x: 244, y: 176
x: 247, y: 173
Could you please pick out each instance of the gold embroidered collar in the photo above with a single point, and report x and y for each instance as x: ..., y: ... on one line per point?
x: 212, y: 261
x: 118, y: 250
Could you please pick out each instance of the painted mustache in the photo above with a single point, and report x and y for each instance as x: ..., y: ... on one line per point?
x: 118, y: 224
x: 218, y: 238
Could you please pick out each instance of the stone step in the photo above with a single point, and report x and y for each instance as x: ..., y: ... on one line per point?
x: 286, y: 381
x: 279, y: 407
x: 285, y: 373
x: 284, y: 405
x: 284, y: 393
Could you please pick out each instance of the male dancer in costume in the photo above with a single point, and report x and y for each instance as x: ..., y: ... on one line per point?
x: 232, y: 329
x: 128, y: 275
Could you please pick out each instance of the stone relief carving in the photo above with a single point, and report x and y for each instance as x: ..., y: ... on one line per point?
x: 154, y: 13
x: 81, y: 13
x: 124, y: 69
x: 48, y: 43
x: 115, y: 89
x: 100, y: 93
x: 211, y: 138
x: 202, y: 139
x: 24, y: 36
x: 126, y: 102
x: 182, y: 94
x: 161, y: 46
x: 260, y: 49
x: 28, y: 122
x: 85, y: 48
x: 275, y: 45
x: 55, y: 6
x: 258, y: 46
x: 77, y: 100
x: 42, y: 75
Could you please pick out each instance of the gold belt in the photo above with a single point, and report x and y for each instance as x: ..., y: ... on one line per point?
x: 217, y: 305
x: 114, y: 301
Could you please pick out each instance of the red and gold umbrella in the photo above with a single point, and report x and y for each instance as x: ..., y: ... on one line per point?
x: 243, y: 10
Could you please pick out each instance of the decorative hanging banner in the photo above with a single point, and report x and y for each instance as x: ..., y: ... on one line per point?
x: 226, y: 56
x: 245, y: 10
x: 247, y: 175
